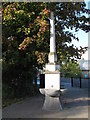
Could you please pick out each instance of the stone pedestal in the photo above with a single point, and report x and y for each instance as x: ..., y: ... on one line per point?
x: 52, y: 81
x: 52, y: 103
x: 52, y: 99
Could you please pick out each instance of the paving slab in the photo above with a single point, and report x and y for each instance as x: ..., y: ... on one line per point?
x: 75, y: 102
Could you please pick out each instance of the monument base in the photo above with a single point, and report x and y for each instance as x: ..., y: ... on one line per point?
x: 52, y: 99
x: 52, y: 80
x: 52, y: 103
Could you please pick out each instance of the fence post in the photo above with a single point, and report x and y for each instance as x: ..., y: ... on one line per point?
x: 35, y: 82
x: 80, y: 82
x: 72, y: 81
x: 42, y: 80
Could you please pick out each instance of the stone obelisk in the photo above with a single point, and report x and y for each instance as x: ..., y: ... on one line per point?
x: 52, y: 65
x: 52, y: 74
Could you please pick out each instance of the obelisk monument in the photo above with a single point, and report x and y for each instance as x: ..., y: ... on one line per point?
x: 52, y: 74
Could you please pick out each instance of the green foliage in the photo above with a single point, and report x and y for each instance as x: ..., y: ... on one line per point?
x: 25, y: 37
x: 27, y: 23
x: 70, y: 69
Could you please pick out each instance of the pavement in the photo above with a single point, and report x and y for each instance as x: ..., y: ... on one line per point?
x: 75, y: 103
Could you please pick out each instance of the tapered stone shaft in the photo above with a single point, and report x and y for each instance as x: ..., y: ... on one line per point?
x: 52, y: 34
x: 52, y: 54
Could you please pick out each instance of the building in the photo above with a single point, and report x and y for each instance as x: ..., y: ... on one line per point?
x: 85, y: 66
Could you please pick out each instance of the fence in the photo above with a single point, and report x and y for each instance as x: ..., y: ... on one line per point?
x: 76, y: 82
x: 68, y: 82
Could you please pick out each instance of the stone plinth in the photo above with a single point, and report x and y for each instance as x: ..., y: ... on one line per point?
x: 52, y: 81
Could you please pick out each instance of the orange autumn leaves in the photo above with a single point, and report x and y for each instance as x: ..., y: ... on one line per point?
x: 40, y: 23
x: 40, y: 26
x: 25, y: 43
x: 40, y: 57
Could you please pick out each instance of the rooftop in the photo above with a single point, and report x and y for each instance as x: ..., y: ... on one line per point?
x: 84, y: 64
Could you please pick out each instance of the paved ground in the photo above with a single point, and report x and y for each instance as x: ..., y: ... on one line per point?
x: 75, y: 102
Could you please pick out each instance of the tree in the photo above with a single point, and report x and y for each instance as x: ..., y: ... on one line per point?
x: 70, y: 69
x: 20, y: 15
x: 21, y: 24
x: 70, y: 16
x: 25, y: 34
